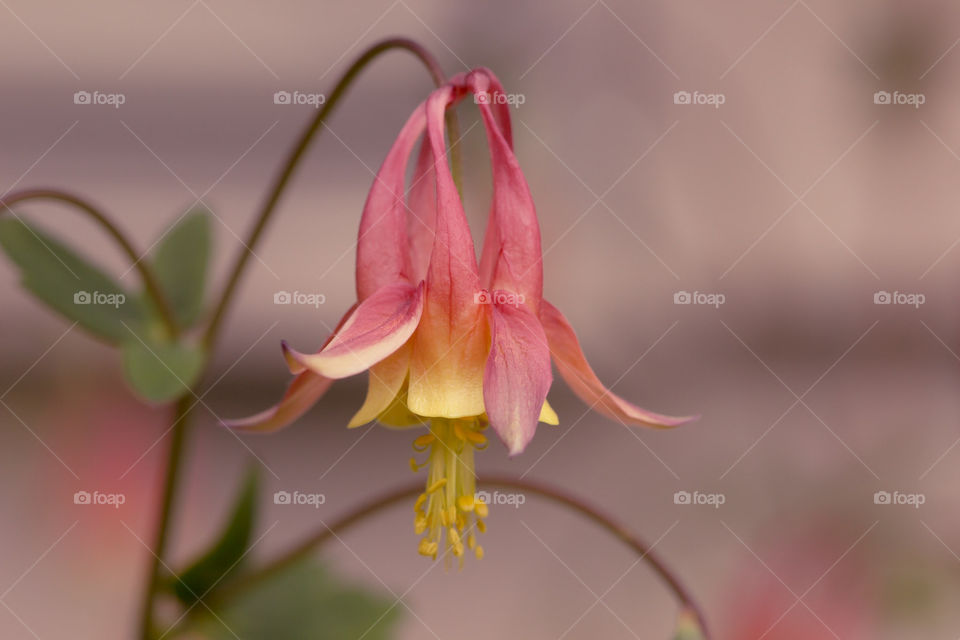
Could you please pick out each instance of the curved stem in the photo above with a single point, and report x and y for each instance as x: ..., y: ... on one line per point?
x: 309, y: 133
x: 302, y: 550
x: 146, y: 273
x: 174, y: 462
x: 644, y: 551
x: 175, y: 456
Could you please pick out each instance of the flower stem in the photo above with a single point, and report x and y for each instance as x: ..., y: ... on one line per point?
x: 142, y: 266
x: 307, y: 546
x: 167, y: 499
x: 297, y: 153
x: 176, y: 452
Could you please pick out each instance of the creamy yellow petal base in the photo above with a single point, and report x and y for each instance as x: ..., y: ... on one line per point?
x: 446, y: 369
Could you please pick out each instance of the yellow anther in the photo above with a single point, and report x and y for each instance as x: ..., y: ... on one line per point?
x: 427, y: 548
x: 479, y: 552
x: 419, y: 524
x: 481, y: 526
x: 422, y: 500
x: 481, y: 509
x: 476, y: 438
x: 455, y: 543
x: 446, y: 512
x: 465, y: 503
x: 422, y: 442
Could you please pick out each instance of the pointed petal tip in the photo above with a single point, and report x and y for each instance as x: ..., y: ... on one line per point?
x: 295, y: 359
x: 302, y: 393
x: 516, y: 449
x: 295, y: 367
x: 670, y: 422
x: 358, y: 421
x: 580, y: 377
x: 242, y: 425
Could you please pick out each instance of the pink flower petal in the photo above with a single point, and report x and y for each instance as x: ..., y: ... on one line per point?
x: 379, y: 326
x: 422, y: 213
x: 580, y: 377
x: 302, y: 394
x: 517, y: 375
x: 451, y: 337
x: 512, y: 258
x: 452, y: 272
x: 382, y: 250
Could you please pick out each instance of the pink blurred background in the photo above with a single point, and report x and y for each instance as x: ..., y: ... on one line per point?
x: 798, y: 199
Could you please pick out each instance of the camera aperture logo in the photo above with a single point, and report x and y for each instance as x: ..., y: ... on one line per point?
x: 699, y: 498
x: 315, y: 100
x: 898, y: 498
x: 514, y: 500
x: 909, y: 99
x: 98, y: 498
x: 99, y: 98
x: 699, y: 297
x: 698, y: 98
x: 115, y: 300
x: 299, y: 498
x: 498, y: 97
x: 298, y: 297
x: 899, y: 297
x: 499, y: 297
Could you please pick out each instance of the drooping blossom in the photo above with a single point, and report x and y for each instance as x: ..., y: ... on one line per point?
x: 450, y: 345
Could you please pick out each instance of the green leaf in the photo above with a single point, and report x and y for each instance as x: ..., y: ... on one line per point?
x: 304, y: 602
x: 226, y: 554
x: 160, y: 371
x: 180, y: 263
x: 70, y: 285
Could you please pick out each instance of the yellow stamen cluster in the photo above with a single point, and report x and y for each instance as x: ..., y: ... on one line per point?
x: 448, y: 511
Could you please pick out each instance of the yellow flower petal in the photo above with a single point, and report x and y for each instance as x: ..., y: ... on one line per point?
x: 548, y: 415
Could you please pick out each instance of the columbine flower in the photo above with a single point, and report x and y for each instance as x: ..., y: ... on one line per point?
x: 450, y: 346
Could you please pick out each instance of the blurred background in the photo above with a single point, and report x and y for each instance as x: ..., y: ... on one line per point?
x: 785, y: 167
